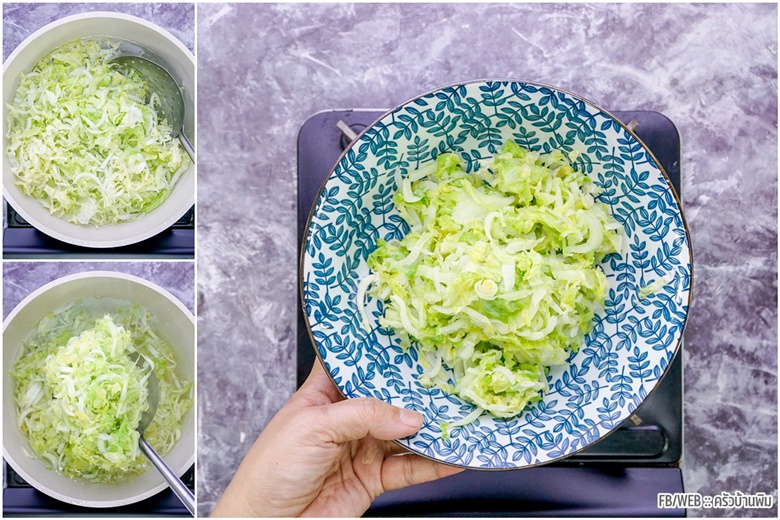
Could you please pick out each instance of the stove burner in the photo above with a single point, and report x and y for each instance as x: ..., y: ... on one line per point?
x: 349, y: 132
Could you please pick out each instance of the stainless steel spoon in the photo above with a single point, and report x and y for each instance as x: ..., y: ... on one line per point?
x: 162, y: 83
x: 177, y: 486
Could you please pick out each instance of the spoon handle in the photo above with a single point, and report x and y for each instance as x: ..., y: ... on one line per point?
x: 177, y: 486
x: 185, y: 142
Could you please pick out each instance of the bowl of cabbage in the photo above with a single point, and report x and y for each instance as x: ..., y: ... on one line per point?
x: 506, y: 258
x: 87, y: 157
x: 72, y: 396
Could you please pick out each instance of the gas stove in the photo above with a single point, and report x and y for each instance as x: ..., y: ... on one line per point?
x: 620, y: 475
x: 21, y: 240
x: 21, y: 499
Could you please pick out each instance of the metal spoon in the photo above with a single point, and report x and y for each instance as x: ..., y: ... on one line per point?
x: 153, y: 387
x: 162, y: 83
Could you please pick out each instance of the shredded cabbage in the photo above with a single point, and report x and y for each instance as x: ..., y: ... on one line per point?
x: 79, y: 397
x: 84, y: 141
x: 653, y: 287
x: 498, y: 276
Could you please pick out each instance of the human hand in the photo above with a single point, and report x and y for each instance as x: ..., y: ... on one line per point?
x: 324, y: 456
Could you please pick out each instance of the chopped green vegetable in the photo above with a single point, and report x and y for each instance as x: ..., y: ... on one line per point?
x: 497, y: 278
x: 80, y: 398
x: 85, y: 142
x: 653, y: 287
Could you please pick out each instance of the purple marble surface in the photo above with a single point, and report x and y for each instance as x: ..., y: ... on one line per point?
x: 22, y: 19
x: 711, y: 68
x: 22, y: 278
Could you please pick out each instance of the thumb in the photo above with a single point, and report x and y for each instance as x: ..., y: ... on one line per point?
x: 354, y: 419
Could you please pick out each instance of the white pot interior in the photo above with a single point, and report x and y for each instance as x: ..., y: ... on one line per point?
x: 175, y: 324
x: 177, y: 59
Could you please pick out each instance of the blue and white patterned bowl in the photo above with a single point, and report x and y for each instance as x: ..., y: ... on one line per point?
x: 633, y: 341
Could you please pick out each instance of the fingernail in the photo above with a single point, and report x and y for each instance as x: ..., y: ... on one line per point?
x: 411, y: 418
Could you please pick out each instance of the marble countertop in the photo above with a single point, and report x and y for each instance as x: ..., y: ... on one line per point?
x: 22, y: 278
x: 22, y: 19
x: 712, y: 69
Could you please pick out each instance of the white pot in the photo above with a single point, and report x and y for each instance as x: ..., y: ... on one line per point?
x: 175, y: 325
x: 180, y: 62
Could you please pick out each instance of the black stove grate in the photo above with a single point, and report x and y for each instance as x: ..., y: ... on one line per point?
x: 22, y: 240
x: 638, y: 460
x: 21, y: 499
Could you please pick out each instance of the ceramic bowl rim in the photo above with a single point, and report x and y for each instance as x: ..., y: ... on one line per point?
x: 669, y: 185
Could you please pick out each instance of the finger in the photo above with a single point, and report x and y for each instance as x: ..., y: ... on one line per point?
x: 354, y: 419
x: 408, y: 470
x: 318, y: 389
